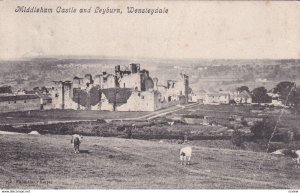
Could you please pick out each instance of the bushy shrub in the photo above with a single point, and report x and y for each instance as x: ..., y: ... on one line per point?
x: 263, y: 129
x: 121, y: 128
x: 101, y: 121
x: 231, y: 101
x: 194, y: 116
x: 237, y: 138
x: 244, y: 123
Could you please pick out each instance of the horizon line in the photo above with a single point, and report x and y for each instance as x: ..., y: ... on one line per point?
x: 129, y: 58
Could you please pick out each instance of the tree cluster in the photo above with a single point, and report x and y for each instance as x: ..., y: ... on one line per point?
x: 288, y: 93
x: 263, y: 129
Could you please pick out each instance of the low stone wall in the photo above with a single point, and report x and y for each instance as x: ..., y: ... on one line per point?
x: 194, y: 121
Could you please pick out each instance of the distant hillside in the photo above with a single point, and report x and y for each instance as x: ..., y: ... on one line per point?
x: 204, y: 74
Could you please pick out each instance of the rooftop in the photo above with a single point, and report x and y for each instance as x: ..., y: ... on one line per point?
x: 244, y: 94
x: 18, y: 97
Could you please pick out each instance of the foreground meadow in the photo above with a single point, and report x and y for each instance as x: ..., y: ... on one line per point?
x: 48, y: 162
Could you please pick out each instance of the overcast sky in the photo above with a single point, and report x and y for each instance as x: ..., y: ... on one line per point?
x: 189, y: 30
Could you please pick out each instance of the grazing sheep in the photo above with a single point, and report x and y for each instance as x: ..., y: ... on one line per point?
x: 296, y: 157
x: 295, y: 154
x: 185, y: 155
x: 171, y: 123
x: 76, y: 139
x: 280, y: 152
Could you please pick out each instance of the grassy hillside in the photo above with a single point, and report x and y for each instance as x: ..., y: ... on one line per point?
x: 29, y: 161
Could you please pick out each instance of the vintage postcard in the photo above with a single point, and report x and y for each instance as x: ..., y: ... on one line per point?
x: 125, y: 95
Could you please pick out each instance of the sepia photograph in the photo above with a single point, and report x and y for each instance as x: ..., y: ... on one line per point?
x: 159, y: 95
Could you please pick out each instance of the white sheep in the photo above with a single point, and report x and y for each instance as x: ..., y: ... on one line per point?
x: 185, y: 155
x: 171, y: 123
x: 76, y: 139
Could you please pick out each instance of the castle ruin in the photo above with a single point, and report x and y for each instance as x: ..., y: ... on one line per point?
x: 128, y: 89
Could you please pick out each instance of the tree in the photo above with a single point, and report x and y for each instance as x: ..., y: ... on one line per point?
x: 5, y: 89
x: 232, y: 101
x: 36, y: 89
x: 259, y: 95
x: 243, y: 88
x: 297, y: 100
x: 263, y: 129
x: 286, y: 92
x: 44, y: 90
x: 237, y: 138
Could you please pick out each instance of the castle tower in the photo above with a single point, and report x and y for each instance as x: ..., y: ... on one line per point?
x: 155, y: 81
x: 186, y: 87
x: 118, y: 71
x: 88, y: 80
x: 67, y: 94
x: 57, y: 95
x: 135, y: 68
x: 76, y: 82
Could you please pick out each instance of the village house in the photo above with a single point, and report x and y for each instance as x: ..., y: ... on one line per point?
x: 243, y: 97
x: 217, y: 98
x: 5, y: 89
x: 276, y: 101
x: 22, y: 102
x: 197, y: 96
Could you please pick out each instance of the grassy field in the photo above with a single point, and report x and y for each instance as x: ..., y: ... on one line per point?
x: 48, y: 162
x: 142, y: 130
x: 287, y: 121
x: 221, y: 112
x: 63, y: 115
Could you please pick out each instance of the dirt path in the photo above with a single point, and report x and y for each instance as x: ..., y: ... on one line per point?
x: 10, y: 133
x: 163, y: 112
x: 159, y: 114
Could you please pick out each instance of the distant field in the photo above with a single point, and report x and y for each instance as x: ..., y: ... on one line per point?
x: 221, y: 111
x: 48, y: 161
x: 142, y: 130
x: 63, y: 115
x: 287, y: 120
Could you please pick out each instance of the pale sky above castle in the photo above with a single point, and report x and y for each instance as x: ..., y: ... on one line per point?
x: 192, y: 29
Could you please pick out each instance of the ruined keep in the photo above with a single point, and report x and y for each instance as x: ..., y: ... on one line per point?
x: 128, y: 89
